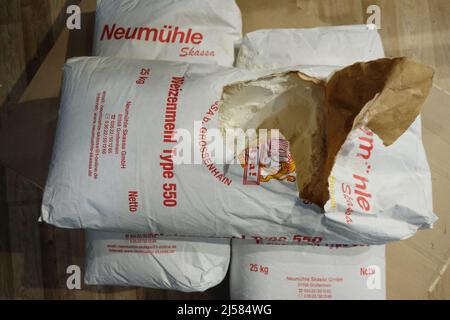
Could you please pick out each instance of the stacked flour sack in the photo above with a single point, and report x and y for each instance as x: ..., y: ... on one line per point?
x: 270, y: 268
x: 151, y: 133
x: 142, y: 146
x: 193, y: 31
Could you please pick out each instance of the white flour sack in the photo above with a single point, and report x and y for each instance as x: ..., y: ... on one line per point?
x: 144, y: 260
x: 189, y: 31
x: 305, y: 272
x: 151, y: 146
x: 202, y: 31
x: 333, y: 46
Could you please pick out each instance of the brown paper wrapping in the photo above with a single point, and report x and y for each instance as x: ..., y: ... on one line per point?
x: 385, y: 96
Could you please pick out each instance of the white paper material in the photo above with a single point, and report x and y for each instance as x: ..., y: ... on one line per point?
x: 210, y: 200
x: 201, y: 31
x: 324, y: 46
x: 286, y: 272
x: 145, y: 260
x: 394, y: 182
x: 270, y: 271
x: 361, y: 154
x: 197, y: 263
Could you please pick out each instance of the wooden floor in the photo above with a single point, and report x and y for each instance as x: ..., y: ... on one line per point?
x: 34, y: 257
